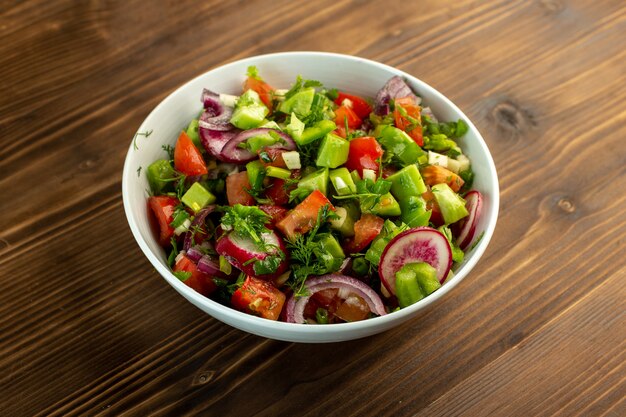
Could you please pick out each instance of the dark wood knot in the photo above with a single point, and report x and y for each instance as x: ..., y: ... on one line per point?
x: 204, y: 377
x: 512, y: 118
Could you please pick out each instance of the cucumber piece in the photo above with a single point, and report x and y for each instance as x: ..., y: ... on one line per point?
x: 299, y: 103
x: 256, y: 173
x: 160, y: 174
x: 407, y: 182
x: 256, y: 143
x: 400, y: 144
x: 415, y: 281
x: 414, y: 212
x: 249, y: 111
x: 384, y: 205
x: 330, y: 245
x: 315, y: 132
x: 317, y: 180
x: 276, y: 172
x: 333, y: 151
x: 194, y: 135
x: 342, y: 181
x: 451, y: 204
x: 197, y: 197
x: 345, y: 223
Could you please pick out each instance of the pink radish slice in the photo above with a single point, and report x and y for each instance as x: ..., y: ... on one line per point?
x: 214, y: 140
x: 294, y: 310
x: 467, y: 226
x: 423, y: 244
x: 240, y: 250
x: 231, y: 152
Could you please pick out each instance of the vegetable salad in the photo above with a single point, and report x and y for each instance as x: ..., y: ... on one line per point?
x: 312, y: 205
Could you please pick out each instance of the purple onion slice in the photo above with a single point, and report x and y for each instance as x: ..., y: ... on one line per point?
x: 198, y: 220
x: 209, y: 265
x: 216, y: 116
x: 294, y: 310
x: 231, y: 152
x: 214, y: 140
x: 394, y: 88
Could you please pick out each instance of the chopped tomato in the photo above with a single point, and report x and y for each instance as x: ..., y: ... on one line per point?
x: 163, y: 208
x: 407, y: 115
x: 263, y: 89
x: 365, y: 230
x: 359, y: 105
x: 326, y: 299
x: 436, y: 217
x: 364, y: 154
x: 236, y: 186
x: 304, y: 216
x: 276, y: 156
x: 275, y: 212
x: 353, y: 308
x: 199, y: 281
x: 343, y: 114
x: 259, y: 298
x: 278, y: 192
x: 434, y: 174
x: 187, y: 158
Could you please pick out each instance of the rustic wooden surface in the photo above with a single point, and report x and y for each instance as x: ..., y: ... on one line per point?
x: 88, y: 327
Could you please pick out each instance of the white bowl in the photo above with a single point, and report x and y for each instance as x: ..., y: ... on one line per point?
x: 349, y: 73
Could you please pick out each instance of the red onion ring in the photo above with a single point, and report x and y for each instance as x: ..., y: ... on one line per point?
x: 294, y: 309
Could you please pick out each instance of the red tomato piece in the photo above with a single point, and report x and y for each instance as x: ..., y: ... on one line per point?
x: 304, y: 216
x: 359, y: 105
x: 259, y: 298
x: 275, y: 212
x: 411, y: 123
x: 434, y: 174
x: 344, y: 113
x: 353, y: 308
x: 365, y: 230
x: 277, y: 192
x: 263, y: 89
x: 199, y: 281
x: 187, y: 158
x: 276, y: 155
x: 364, y: 154
x: 163, y: 208
x: 236, y: 186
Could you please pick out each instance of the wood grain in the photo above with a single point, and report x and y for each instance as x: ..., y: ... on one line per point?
x: 87, y: 327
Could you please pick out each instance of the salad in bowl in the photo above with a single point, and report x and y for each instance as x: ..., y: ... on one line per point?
x: 312, y: 205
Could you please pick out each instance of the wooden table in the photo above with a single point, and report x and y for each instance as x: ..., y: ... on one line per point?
x: 538, y: 328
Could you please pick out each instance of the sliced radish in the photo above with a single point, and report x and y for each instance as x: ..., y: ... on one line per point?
x: 214, y: 140
x: 423, y: 244
x: 294, y: 311
x: 467, y: 226
x: 239, y: 251
x: 231, y: 152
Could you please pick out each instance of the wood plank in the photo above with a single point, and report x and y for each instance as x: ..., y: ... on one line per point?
x: 574, y: 364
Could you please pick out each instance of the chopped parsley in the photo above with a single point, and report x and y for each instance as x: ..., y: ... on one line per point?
x: 307, y: 254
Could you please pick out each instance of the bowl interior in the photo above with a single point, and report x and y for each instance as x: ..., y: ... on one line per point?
x: 352, y: 74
